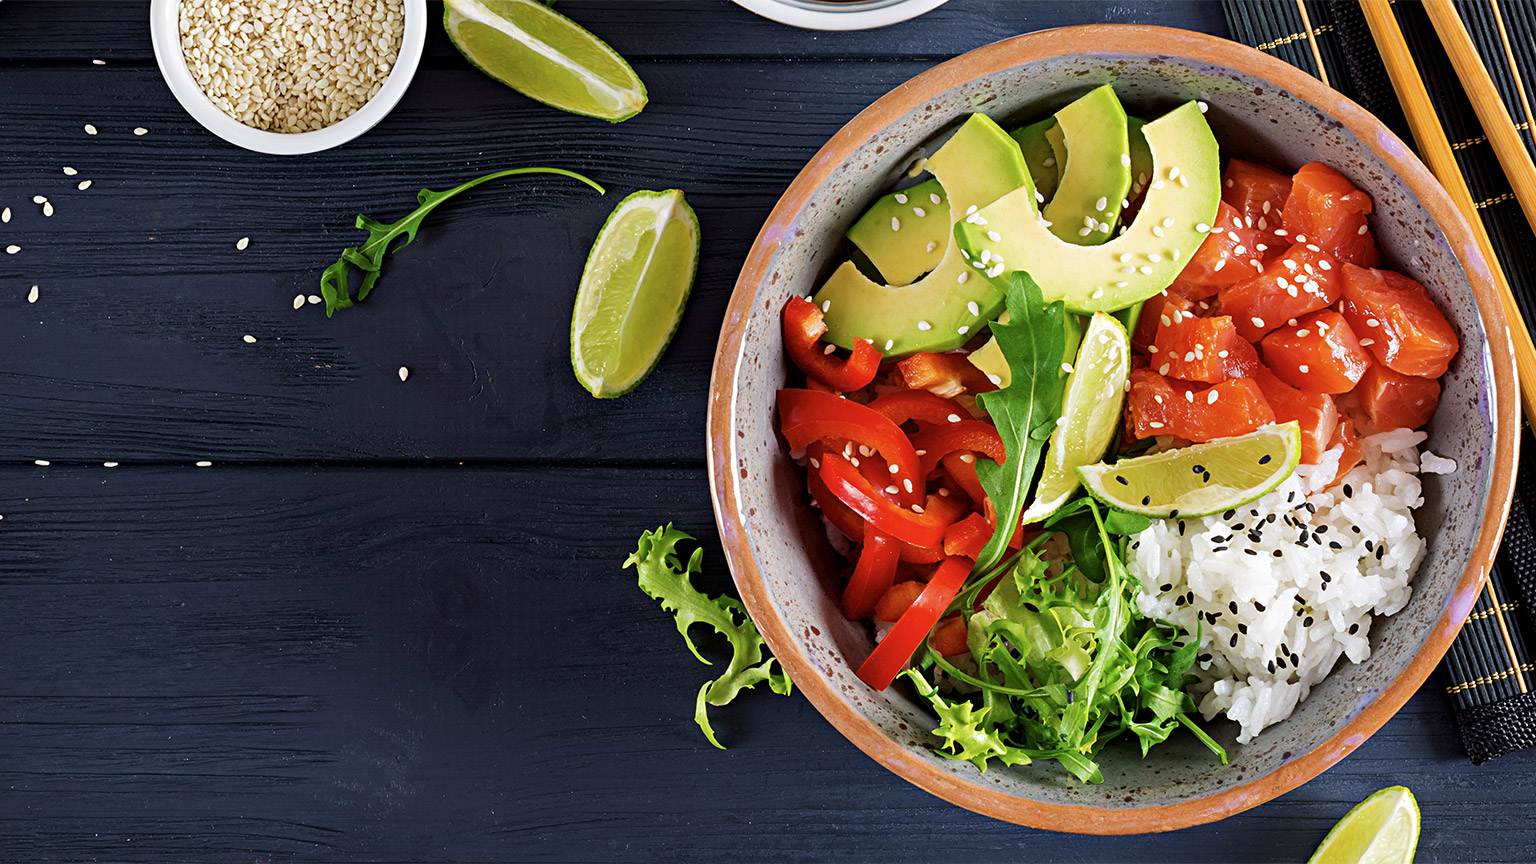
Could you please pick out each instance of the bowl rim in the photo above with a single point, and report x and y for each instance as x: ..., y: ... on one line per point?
x: 869, y: 18
x: 1151, y: 41
x: 165, y: 33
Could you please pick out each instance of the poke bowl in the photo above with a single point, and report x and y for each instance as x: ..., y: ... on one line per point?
x: 1258, y: 109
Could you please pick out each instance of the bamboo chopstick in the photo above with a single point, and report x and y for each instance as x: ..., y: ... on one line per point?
x: 1436, y: 149
x: 1491, y: 112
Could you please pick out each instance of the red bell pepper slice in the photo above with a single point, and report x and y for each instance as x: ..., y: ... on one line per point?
x: 963, y: 472
x: 899, y: 406
x: 968, y: 536
x: 881, y: 667
x: 943, y: 374
x: 851, y: 523
x: 803, y: 329
x: 972, y: 435
x: 872, y: 575
x: 921, y: 529
x: 808, y: 416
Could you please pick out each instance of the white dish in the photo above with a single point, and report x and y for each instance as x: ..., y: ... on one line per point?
x: 165, y: 32
x: 851, y: 15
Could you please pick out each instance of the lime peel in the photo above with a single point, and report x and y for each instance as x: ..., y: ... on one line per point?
x: 1382, y: 829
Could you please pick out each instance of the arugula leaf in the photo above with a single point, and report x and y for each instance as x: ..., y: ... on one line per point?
x: 664, y: 577
x: 1033, y: 342
x: 335, y: 282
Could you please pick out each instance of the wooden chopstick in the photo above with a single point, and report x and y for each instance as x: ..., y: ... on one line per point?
x: 1437, y: 152
x: 1491, y: 112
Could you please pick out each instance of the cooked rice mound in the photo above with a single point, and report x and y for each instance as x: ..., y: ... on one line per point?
x: 1287, y: 584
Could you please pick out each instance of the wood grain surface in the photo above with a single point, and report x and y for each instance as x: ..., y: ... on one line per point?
x: 389, y: 622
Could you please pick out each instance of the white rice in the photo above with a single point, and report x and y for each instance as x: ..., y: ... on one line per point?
x: 1295, y: 624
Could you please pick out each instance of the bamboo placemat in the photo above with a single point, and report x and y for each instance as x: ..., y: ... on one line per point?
x: 1490, y: 670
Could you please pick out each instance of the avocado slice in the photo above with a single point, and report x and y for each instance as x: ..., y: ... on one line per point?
x: 1141, y: 155
x: 990, y: 360
x: 1174, y: 219
x: 905, y: 233
x: 942, y: 310
x: 1097, y: 176
x: 1039, y: 155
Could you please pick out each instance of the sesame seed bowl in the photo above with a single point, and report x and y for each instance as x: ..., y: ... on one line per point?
x: 282, y: 77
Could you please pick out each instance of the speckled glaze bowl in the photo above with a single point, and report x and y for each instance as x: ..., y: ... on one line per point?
x: 1261, y: 109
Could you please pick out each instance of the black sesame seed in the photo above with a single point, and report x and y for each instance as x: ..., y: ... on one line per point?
x: 1299, y: 600
x: 1322, y: 529
x: 1221, y: 548
x: 1348, y: 492
x: 1232, y: 605
x: 1380, y: 550
x: 1250, y: 552
x: 1242, y: 628
x: 1335, y: 545
x: 1135, y: 544
x: 1181, y: 527
x: 1173, y: 514
x: 1199, y: 469
x: 1271, y: 667
x: 1145, y: 500
x: 1123, y: 481
x: 1179, y: 600
x: 1296, y: 661
x: 1280, y: 663
x: 1166, y: 588
x: 1270, y: 519
x: 1239, y: 526
x: 1264, y: 460
x: 1204, y: 658
x: 1253, y: 513
x: 1368, y: 546
x: 1255, y: 536
x: 1232, y: 643
x: 1259, y: 606
x: 1284, y: 648
x: 1229, y: 514
x: 1279, y: 554
x: 1327, y: 577
x: 1307, y: 621
x: 1354, y: 628
x: 1290, y: 497
x: 1311, y: 508
x: 1206, y: 477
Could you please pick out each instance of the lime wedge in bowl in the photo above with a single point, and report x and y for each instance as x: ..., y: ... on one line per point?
x: 1090, y: 413
x: 1382, y: 829
x: 545, y: 56
x: 633, y: 290
x: 1200, y: 479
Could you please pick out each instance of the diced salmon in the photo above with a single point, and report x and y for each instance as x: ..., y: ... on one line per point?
x: 1394, y: 400
x: 1297, y: 283
x: 1326, y: 210
x: 1225, y: 257
x: 1344, y: 434
x: 1158, y: 405
x: 1318, y: 353
x: 1158, y: 306
x: 1259, y: 194
x: 1396, y: 318
x: 1199, y: 349
x: 1314, y: 412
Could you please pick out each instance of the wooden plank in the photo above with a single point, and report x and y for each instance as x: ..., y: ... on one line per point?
x: 135, y: 344
x: 449, y: 664
x: 66, y: 31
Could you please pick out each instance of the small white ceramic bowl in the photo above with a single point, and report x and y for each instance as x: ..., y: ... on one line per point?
x: 164, y: 28
x: 845, y: 15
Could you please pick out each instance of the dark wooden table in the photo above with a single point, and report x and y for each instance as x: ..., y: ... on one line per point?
x: 389, y: 621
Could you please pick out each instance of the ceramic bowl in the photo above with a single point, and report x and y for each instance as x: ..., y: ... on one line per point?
x: 165, y: 32
x: 840, y: 14
x: 1262, y: 109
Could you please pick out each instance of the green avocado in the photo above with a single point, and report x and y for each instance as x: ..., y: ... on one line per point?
x: 905, y: 233
x: 1097, y: 176
x: 1141, y: 155
x: 1039, y: 155
x: 942, y: 310
x: 1180, y: 205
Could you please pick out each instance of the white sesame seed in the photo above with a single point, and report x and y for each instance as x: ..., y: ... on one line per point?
x: 1156, y: 424
x: 1279, y: 232
x: 404, y: 373
x: 894, y: 469
x: 41, y: 463
x: 48, y: 208
x: 1145, y: 270
x: 5, y: 215
x: 1257, y: 322
x: 1210, y: 398
x: 924, y: 325
x: 1163, y: 369
x: 892, y: 489
x: 967, y: 458
x: 932, y: 245
x: 1067, y: 368
x: 1223, y: 354
x: 1367, y: 342
x: 964, y: 277
x: 1372, y: 322
x: 1291, y: 322
x: 996, y: 271
x: 1157, y: 231
x: 249, y: 339
x: 889, y: 344
x: 1151, y: 349
x: 934, y: 197
x: 89, y: 129
x: 298, y: 301
x: 1125, y: 160
x: 1303, y: 368
x: 1188, y: 356
x: 1303, y: 333
x: 312, y: 299
x: 963, y: 329
x: 140, y: 130
x: 895, y: 224
x: 109, y: 464
x: 98, y: 62
x: 1183, y: 181
x: 1189, y: 396
x: 69, y: 172
x: 12, y: 249
x: 1084, y: 232
x: 1049, y: 161
x: 1363, y: 229
x: 994, y: 237
x: 906, y: 484
x: 919, y: 212
x: 1203, y: 228
x: 971, y: 209
x: 865, y: 451
x: 1325, y: 265
x: 996, y: 380
x: 1220, y: 264
x: 829, y: 349
x: 204, y: 464
x: 917, y: 508
x: 83, y: 185
x: 900, y: 198
x: 1203, y: 106
x: 38, y: 199
x: 1156, y: 184
x: 1097, y: 293
x: 826, y: 306
x: 32, y: 295
x: 943, y: 493
x: 1102, y: 204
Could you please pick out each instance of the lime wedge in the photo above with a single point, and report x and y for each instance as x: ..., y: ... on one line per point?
x: 632, y: 292
x: 1090, y: 413
x: 1382, y: 829
x: 1200, y: 479
x: 545, y: 56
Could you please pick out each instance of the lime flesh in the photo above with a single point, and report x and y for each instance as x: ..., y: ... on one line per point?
x: 1200, y: 479
x: 1382, y: 829
x: 1090, y: 413
x: 545, y: 56
x: 633, y: 290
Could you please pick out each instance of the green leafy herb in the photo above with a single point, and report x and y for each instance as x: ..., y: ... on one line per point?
x: 335, y: 282
x: 664, y: 577
x: 1025, y: 412
x: 1064, y: 663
